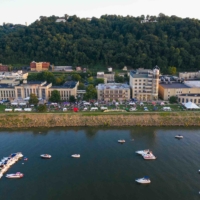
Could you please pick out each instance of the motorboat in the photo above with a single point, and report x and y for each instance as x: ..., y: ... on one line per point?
x: 143, y: 180
x: 76, y: 155
x: 17, y: 175
x: 149, y: 156
x: 142, y: 152
x: 25, y: 158
x: 179, y: 136
x: 121, y: 141
x: 45, y: 156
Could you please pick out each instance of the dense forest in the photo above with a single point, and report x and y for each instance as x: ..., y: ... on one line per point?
x: 110, y: 40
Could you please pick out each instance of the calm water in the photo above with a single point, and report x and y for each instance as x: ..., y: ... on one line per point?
x: 106, y: 170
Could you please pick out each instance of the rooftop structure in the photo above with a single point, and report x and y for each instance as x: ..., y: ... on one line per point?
x: 113, y: 86
x: 193, y: 84
x: 17, y: 75
x: 176, y: 85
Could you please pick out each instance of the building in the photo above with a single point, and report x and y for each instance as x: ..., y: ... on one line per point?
x: 166, y: 90
x: 7, y: 92
x: 3, y: 68
x: 42, y: 90
x: 144, y: 83
x: 39, y: 66
x: 113, y: 91
x: 63, y: 68
x: 189, y: 75
x: 186, y: 91
x: 9, y: 81
x: 60, y: 20
x: 78, y: 69
x: 108, y: 78
x: 68, y: 89
x: 13, y: 75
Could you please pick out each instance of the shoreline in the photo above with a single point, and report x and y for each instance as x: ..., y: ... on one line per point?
x: 34, y: 120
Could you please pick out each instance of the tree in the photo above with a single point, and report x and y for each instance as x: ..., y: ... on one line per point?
x: 172, y: 70
x: 42, y: 108
x: 91, y: 93
x: 33, y: 99
x: 72, y: 99
x: 81, y: 86
x: 55, y: 96
x: 76, y: 77
x: 98, y: 81
x: 173, y: 99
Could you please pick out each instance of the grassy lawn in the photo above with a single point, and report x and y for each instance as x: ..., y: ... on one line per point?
x: 2, y: 108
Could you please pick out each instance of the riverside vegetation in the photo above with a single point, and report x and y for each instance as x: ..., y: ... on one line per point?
x: 110, y: 40
x: 23, y: 120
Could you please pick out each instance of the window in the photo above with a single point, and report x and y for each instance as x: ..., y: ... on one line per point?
x: 19, y: 95
x: 43, y: 94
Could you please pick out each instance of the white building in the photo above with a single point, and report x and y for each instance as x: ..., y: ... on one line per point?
x: 144, y: 83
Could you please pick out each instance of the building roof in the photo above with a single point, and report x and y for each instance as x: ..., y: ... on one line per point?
x: 194, y: 84
x: 6, y: 86
x: 113, y: 86
x: 67, y: 84
x: 174, y: 85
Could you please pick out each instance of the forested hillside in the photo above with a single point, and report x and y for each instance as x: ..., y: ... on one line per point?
x: 110, y: 40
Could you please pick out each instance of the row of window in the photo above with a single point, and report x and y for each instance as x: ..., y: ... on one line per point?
x: 7, y: 94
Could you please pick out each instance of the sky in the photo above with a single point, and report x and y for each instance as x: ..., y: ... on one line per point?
x: 22, y: 11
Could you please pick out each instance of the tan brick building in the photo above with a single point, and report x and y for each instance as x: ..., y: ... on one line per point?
x: 39, y: 66
x: 113, y: 91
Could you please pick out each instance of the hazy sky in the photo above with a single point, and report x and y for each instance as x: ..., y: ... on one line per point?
x: 21, y: 11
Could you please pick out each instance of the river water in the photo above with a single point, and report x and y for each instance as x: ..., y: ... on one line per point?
x: 106, y: 170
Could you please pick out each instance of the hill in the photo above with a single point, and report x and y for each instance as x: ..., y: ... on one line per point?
x: 110, y: 40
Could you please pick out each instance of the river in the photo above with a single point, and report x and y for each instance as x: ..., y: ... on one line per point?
x: 106, y: 169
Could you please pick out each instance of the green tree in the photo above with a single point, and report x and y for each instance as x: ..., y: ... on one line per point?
x: 42, y: 108
x: 173, y: 99
x: 55, y: 96
x: 33, y: 99
x: 81, y: 86
x: 98, y: 81
x: 172, y: 70
x: 76, y: 77
x: 72, y: 99
x: 91, y: 93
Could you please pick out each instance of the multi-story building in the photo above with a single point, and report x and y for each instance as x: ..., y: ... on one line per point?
x: 108, y: 78
x: 186, y: 91
x: 14, y: 75
x: 189, y: 75
x: 40, y: 89
x: 144, y: 83
x: 113, y: 91
x: 39, y: 66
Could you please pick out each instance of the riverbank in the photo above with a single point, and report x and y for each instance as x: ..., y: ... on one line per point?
x: 26, y: 120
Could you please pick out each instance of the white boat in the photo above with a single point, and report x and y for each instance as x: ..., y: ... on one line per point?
x: 121, y: 141
x: 76, y: 155
x: 143, y: 180
x: 149, y: 156
x: 46, y: 156
x: 17, y: 175
x: 1, y: 175
x: 179, y: 136
x: 142, y: 152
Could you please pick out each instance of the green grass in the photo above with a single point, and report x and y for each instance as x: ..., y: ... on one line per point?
x: 2, y: 108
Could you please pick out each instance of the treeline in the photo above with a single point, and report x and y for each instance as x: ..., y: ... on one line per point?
x: 110, y: 40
